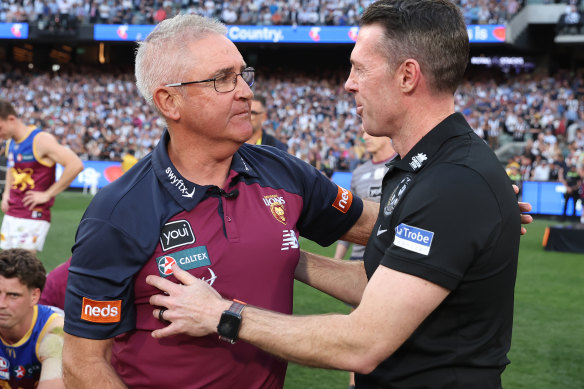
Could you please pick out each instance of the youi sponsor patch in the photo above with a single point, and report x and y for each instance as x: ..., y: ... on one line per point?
x: 413, y: 239
x: 175, y: 234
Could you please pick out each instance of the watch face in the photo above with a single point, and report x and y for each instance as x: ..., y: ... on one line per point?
x: 229, y: 325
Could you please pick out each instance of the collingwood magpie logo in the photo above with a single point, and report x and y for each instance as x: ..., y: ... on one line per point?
x: 396, y: 195
x: 175, y: 234
x: 418, y: 160
x: 179, y: 183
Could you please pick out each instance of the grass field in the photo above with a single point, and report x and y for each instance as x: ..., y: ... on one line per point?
x: 548, y: 335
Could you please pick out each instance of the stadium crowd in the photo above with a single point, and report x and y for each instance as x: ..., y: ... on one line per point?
x: 100, y: 115
x: 67, y: 14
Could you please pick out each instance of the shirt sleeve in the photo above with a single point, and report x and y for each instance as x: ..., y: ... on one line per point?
x: 329, y: 211
x: 99, y: 298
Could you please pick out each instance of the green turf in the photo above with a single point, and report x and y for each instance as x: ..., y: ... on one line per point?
x: 548, y: 336
x: 66, y: 214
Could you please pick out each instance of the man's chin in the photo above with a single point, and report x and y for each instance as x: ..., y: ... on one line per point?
x: 4, y: 324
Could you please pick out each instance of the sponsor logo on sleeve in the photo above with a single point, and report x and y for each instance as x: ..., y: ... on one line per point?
x: 101, y: 311
x: 344, y: 200
x: 188, y: 259
x: 413, y: 239
x: 381, y: 231
x: 175, y: 234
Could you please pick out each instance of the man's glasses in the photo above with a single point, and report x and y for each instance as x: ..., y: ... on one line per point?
x: 226, y: 82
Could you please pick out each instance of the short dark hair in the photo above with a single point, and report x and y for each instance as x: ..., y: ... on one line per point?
x: 260, y: 98
x: 432, y: 32
x: 24, y: 265
x: 6, y: 109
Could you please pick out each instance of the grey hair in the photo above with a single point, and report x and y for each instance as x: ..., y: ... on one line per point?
x: 160, y: 57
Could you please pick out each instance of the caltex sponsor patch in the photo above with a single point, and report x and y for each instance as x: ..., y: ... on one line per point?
x: 186, y: 259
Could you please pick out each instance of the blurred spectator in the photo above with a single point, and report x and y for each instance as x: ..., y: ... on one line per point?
x: 128, y: 160
x: 514, y: 174
x: 541, y: 169
x: 570, y: 21
x: 572, y: 181
x: 258, y: 116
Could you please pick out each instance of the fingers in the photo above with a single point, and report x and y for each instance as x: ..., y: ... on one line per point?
x: 526, y: 219
x: 524, y: 207
x: 30, y: 200
x: 162, y: 315
x: 159, y: 282
x: 169, y: 330
x: 168, y: 287
x: 159, y: 300
x: 187, y: 305
x: 515, y: 188
x: 183, y: 276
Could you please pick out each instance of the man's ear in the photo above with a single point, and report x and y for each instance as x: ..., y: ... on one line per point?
x: 410, y: 75
x: 167, y: 102
x: 35, y: 296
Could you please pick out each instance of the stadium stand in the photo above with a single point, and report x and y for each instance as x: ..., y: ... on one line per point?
x: 523, y: 95
x: 100, y: 114
x: 66, y: 14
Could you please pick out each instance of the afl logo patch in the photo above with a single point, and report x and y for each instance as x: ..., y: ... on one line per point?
x: 396, y: 195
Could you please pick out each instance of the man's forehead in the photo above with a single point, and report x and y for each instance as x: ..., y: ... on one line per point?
x: 365, y: 44
x: 216, y: 53
x: 12, y: 283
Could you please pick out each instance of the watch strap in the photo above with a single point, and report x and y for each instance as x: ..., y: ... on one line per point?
x: 236, y: 308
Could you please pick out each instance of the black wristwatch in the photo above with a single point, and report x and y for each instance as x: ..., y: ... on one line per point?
x: 230, y: 322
